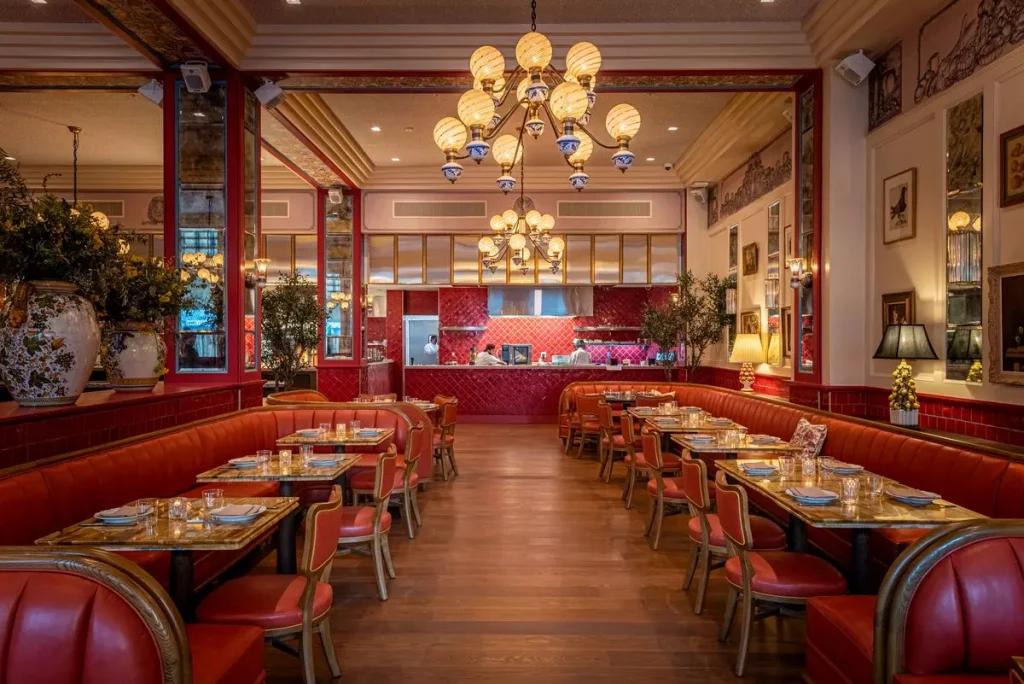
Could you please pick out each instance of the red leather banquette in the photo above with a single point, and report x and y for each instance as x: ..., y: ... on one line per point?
x: 43, y: 497
x: 89, y: 617
x: 950, y: 611
x: 987, y: 481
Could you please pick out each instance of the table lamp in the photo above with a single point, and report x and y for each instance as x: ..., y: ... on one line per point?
x: 904, y: 342
x: 964, y: 346
x: 747, y: 349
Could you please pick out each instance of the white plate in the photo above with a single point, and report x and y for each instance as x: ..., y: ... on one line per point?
x: 110, y: 517
x: 243, y: 463
x: 912, y: 501
x: 238, y: 519
x: 324, y: 463
x: 309, y: 433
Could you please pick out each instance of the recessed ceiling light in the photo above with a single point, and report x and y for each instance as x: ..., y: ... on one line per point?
x: 766, y: 2
x: 375, y: 129
x: 409, y: 129
x: 395, y: 159
x: 294, y: 2
x: 10, y: 158
x: 200, y: 115
x: 650, y: 159
x: 39, y: 2
x: 673, y: 128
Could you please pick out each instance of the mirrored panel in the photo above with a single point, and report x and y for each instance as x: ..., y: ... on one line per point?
x: 806, y: 209
x: 773, y: 286
x: 338, y: 270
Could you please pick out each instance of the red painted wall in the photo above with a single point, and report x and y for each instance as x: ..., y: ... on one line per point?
x: 420, y: 302
x: 376, y: 329
x: 393, y: 334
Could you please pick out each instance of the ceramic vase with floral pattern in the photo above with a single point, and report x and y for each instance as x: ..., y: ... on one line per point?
x: 48, y: 343
x: 133, y: 355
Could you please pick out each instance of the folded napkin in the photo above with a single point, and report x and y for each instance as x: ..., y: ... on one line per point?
x: 910, y: 493
x: 701, y: 438
x: 839, y: 465
x: 757, y: 465
x: 245, y: 459
x: 123, y: 512
x: 236, y: 510
x: 811, y: 493
x: 720, y: 421
x: 765, y: 439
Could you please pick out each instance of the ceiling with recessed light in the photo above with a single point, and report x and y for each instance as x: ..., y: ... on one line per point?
x: 64, y: 11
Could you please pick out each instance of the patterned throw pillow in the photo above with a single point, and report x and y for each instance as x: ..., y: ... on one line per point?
x: 810, y: 438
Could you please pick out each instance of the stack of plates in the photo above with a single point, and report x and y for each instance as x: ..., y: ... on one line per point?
x: 310, y: 433
x: 909, y: 495
x: 238, y: 514
x: 758, y: 468
x: 719, y: 421
x: 644, y: 410
x: 764, y: 439
x: 244, y: 462
x: 840, y: 468
x: 812, y: 496
x: 368, y: 432
x: 123, y: 515
x: 324, y: 461
x: 701, y: 439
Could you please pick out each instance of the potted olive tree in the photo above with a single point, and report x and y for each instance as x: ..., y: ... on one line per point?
x: 142, y: 293
x: 292, y: 319
x: 55, y: 258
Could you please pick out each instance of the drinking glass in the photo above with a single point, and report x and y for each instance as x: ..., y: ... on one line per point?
x: 851, y: 485
x: 284, y: 458
x: 213, y: 498
x: 741, y: 435
x: 307, y: 454
x: 786, y: 467
x: 177, y: 509
x: 263, y: 455
x: 808, y: 466
x: 877, y: 484
x: 325, y: 429
x: 354, y: 426
x: 149, y: 506
x: 340, y: 429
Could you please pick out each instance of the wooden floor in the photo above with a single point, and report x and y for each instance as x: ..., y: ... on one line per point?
x: 528, y: 569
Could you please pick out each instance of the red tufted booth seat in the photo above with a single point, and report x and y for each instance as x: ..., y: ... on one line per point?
x: 987, y: 481
x: 90, y: 617
x: 950, y: 611
x: 43, y: 497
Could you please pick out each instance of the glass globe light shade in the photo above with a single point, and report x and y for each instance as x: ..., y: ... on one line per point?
x: 533, y: 51
x: 585, y: 149
x: 101, y: 220
x: 959, y: 220
x: 517, y: 241
x: 526, y: 255
x: 547, y: 222
x: 568, y: 101
x: 200, y: 257
x: 524, y: 83
x: 623, y: 121
x: 510, y: 217
x: 475, y: 108
x: 507, y: 151
x: 583, y: 59
x: 486, y: 245
x: 497, y: 223
x: 203, y: 273
x: 487, y: 62
x: 976, y: 225
x: 496, y: 89
x: 556, y: 246
x: 533, y: 218
x: 450, y: 134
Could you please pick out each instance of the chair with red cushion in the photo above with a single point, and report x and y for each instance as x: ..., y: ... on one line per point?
x: 406, y: 482
x: 286, y: 606
x: 588, y: 407
x: 368, y: 526
x: 638, y: 465
x: 769, y: 582
x: 611, y: 448
x: 444, y: 437
x: 84, y: 615
x: 710, y: 550
x: 665, y: 492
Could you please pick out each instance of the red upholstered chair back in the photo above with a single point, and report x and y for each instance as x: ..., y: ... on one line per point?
x: 650, y: 402
x: 302, y: 396
x: 695, y: 483
x: 384, y: 482
x: 732, y: 512
x: 424, y: 464
x: 589, y: 406
x: 960, y: 605
x: 628, y: 431
x: 449, y: 414
x: 86, y: 617
x: 323, y: 527
x: 651, y: 448
x: 442, y: 399
x: 606, y: 418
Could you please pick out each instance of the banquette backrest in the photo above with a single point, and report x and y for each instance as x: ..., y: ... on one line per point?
x: 300, y: 396
x: 45, y: 496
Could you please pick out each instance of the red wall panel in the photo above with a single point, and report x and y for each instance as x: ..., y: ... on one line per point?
x: 421, y: 302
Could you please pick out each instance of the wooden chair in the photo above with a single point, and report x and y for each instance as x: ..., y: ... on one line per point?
x: 666, y: 493
x: 368, y: 526
x: 406, y: 481
x: 588, y: 407
x: 289, y: 605
x: 769, y: 582
x: 444, y: 438
x: 704, y: 529
x: 606, y: 447
x: 638, y: 464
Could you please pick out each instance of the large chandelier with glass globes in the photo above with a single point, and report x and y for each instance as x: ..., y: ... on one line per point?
x: 565, y: 99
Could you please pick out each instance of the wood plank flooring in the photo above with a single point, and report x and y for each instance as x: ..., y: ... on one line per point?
x: 529, y: 569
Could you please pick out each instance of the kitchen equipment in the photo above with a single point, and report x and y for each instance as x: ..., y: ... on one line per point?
x: 517, y: 354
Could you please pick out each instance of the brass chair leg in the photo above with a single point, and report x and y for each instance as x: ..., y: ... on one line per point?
x: 705, y: 579
x: 378, y: 566
x: 407, y: 512
x: 730, y: 612
x: 659, y: 517
x: 386, y: 552
x: 691, y: 569
x: 748, y: 620
x: 416, y: 507
x: 328, y: 643
x: 569, y: 440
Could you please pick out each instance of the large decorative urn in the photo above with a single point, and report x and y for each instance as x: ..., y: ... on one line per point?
x: 48, y: 343
x: 133, y: 355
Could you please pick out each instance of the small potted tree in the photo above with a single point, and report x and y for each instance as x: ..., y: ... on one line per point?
x: 703, y: 314
x: 142, y: 293
x: 292, y: 319
x: 663, y: 326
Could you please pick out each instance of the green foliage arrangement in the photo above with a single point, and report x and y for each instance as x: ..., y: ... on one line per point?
x: 663, y: 326
x: 292, y: 319
x: 145, y: 291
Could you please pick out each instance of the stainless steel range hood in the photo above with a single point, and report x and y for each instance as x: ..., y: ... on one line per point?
x: 560, y: 302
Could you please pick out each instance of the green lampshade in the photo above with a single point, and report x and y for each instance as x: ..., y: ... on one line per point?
x: 908, y: 342
x: 964, y: 345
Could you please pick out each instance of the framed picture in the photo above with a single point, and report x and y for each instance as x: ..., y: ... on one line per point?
x: 899, y: 207
x: 750, y: 259
x: 734, y: 246
x: 1011, y: 167
x: 750, y: 321
x: 787, y: 244
x: 898, y: 307
x: 787, y: 332
x: 1005, y: 329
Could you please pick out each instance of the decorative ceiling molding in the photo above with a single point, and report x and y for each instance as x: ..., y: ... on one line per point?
x: 66, y: 47
x: 310, y: 119
x: 287, y: 146
x: 602, y: 178
x: 137, y: 178
x: 404, y: 48
x: 748, y: 123
x: 24, y: 81
x: 835, y: 28
x: 275, y: 177
x: 225, y: 24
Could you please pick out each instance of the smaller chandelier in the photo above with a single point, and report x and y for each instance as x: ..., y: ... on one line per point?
x: 522, y: 234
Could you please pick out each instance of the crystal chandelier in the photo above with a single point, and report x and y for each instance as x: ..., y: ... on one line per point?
x: 567, y: 106
x: 522, y: 233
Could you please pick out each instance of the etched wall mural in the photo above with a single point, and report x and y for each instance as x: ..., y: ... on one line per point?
x: 763, y: 172
x: 712, y: 205
x: 885, y: 87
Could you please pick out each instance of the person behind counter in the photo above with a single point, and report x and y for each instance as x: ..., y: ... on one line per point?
x: 487, y: 357
x: 580, y: 357
x: 430, y: 351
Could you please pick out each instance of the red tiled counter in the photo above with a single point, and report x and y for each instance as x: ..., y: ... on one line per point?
x: 107, y: 416
x: 377, y: 378
x: 527, y: 394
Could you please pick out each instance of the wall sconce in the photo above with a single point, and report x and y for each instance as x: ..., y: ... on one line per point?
x: 367, y: 301
x: 675, y: 299
x: 799, y: 274
x: 257, y: 277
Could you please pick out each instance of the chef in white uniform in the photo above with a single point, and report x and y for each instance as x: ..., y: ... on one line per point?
x: 430, y: 351
x: 580, y: 357
x: 487, y: 357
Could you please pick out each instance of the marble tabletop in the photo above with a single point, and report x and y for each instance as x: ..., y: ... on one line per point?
x: 678, y: 426
x: 333, y: 439
x: 273, y: 472
x: 720, y: 446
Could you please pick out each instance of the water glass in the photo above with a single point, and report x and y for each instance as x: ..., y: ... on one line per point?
x: 851, y: 486
x: 284, y: 458
x: 741, y: 435
x: 786, y: 467
x: 148, y: 505
x: 340, y: 429
x: 354, y: 426
x: 325, y: 429
x: 306, y: 450
x: 177, y: 509
x: 808, y: 466
x: 263, y: 455
x: 213, y: 498
x: 877, y: 484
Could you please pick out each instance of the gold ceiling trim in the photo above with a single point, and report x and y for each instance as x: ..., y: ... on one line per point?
x: 314, y: 120
x: 14, y: 81
x: 226, y: 24
x: 285, y: 143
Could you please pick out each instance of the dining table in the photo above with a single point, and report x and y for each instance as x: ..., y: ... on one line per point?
x: 677, y: 423
x: 339, y: 441
x: 181, y: 538
x: 729, y: 448
x: 627, y: 399
x: 860, y: 516
x: 286, y: 477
